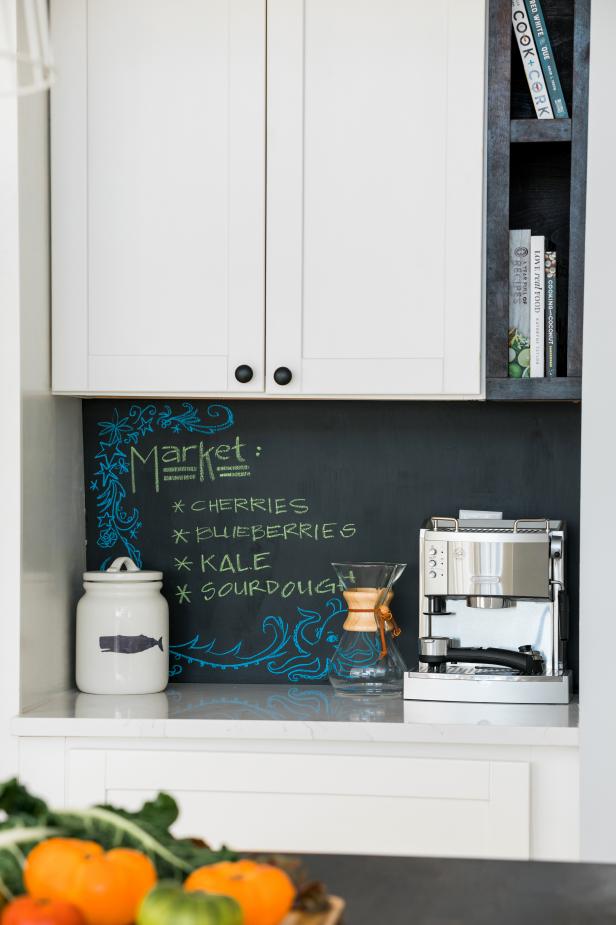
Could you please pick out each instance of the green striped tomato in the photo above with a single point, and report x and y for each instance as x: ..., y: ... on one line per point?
x: 169, y: 904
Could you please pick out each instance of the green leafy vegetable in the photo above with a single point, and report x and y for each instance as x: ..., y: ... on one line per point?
x: 112, y: 827
x: 15, y: 800
x: 29, y: 820
x: 15, y: 843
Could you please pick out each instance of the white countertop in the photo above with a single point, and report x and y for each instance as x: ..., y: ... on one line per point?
x: 281, y: 712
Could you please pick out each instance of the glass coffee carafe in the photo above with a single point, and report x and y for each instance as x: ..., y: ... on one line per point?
x: 367, y: 661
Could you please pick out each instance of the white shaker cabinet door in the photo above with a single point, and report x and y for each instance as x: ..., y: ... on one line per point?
x: 158, y: 195
x: 347, y: 804
x: 374, y: 196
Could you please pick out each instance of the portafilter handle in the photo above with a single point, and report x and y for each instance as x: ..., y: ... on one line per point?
x: 437, y: 650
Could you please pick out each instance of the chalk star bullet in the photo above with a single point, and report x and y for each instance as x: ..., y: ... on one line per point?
x: 180, y: 536
x: 183, y: 563
x: 178, y: 507
x: 183, y: 594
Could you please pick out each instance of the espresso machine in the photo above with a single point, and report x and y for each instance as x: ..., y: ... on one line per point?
x: 493, y: 615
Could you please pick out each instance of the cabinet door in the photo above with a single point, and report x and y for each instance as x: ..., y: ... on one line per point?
x: 347, y: 804
x: 374, y: 196
x: 158, y: 186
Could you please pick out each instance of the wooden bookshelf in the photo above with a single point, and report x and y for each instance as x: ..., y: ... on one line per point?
x: 525, y: 130
x: 536, y: 178
x: 561, y: 388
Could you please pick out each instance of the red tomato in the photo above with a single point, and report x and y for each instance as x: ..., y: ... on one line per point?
x: 27, y: 911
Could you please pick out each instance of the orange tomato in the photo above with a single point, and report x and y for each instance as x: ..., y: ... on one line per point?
x: 27, y: 911
x: 106, y: 887
x: 51, y: 864
x: 264, y: 892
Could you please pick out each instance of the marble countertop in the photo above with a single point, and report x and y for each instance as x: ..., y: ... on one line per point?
x: 300, y: 712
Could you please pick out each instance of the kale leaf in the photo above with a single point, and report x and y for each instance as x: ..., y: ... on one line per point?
x: 29, y: 820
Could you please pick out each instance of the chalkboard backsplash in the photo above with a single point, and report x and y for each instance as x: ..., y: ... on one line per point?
x: 244, y: 505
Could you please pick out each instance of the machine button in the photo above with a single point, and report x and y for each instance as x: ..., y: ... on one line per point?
x: 431, y: 574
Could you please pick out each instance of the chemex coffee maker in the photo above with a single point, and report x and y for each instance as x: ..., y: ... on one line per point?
x: 493, y: 612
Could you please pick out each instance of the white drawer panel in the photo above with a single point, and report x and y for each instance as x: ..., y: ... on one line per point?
x: 322, y: 803
x: 331, y: 823
x: 334, y: 774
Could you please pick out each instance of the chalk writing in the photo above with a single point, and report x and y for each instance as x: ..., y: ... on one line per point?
x: 302, y: 531
x: 269, y: 587
x: 186, y: 473
x: 250, y: 505
x: 183, y: 594
x: 117, y: 526
x: 184, y: 563
x: 233, y: 562
x: 179, y: 473
x: 197, y: 462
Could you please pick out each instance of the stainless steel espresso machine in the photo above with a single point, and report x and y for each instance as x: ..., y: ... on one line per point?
x: 493, y: 612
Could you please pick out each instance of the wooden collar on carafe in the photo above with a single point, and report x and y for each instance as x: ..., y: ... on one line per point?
x: 363, y: 614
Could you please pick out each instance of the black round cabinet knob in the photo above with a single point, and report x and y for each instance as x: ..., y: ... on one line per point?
x: 243, y: 373
x: 283, y: 375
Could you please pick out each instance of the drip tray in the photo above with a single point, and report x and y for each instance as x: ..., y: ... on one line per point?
x: 486, y: 684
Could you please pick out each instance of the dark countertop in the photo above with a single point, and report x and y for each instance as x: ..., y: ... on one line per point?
x: 436, y: 891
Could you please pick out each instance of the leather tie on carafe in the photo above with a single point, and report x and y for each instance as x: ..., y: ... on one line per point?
x: 381, y: 613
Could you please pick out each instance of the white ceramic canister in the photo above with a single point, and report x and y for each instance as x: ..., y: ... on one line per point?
x: 122, y: 631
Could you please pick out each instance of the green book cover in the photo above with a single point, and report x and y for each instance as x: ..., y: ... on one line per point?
x: 519, y: 304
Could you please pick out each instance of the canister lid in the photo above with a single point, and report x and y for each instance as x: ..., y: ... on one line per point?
x: 123, y: 569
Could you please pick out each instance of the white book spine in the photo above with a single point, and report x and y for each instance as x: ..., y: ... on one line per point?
x: 537, y: 306
x: 531, y: 60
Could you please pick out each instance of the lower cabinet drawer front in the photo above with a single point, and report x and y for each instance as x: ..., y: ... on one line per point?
x: 341, y: 825
x: 327, y: 803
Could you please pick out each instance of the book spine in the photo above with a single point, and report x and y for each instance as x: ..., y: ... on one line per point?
x: 537, y: 307
x: 530, y: 60
x: 519, y: 304
x: 546, y: 57
x: 551, y: 340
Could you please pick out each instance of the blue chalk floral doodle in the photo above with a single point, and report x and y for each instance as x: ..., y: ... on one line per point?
x: 291, y: 651
x: 288, y: 652
x: 117, y: 526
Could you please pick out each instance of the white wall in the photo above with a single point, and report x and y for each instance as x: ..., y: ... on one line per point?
x: 52, y: 516
x: 10, y: 449
x: 598, y: 502
x: 41, y: 481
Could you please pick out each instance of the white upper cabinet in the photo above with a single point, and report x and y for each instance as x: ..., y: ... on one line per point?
x: 158, y: 195
x: 362, y: 276
x: 375, y: 196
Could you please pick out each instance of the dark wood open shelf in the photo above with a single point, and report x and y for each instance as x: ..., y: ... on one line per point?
x: 562, y: 388
x: 540, y: 130
x: 536, y: 178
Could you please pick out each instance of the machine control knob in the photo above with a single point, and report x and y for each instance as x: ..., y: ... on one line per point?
x: 432, y: 551
x: 432, y: 574
x: 432, y: 563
